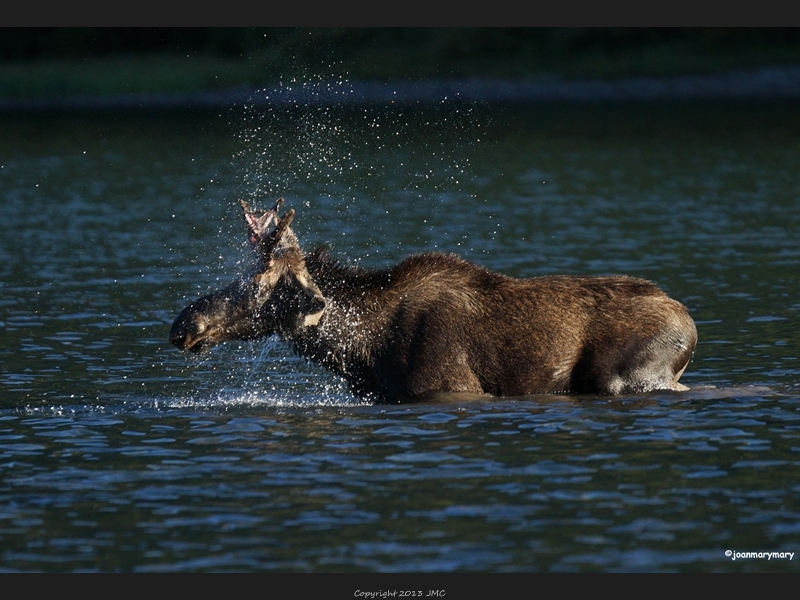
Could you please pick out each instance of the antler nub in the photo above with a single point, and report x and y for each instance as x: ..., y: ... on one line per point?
x: 269, y: 244
x: 258, y: 222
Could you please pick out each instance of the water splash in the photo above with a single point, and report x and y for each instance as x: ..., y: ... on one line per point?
x: 319, y: 141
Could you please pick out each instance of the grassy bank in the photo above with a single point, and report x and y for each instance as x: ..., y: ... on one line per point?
x: 250, y: 58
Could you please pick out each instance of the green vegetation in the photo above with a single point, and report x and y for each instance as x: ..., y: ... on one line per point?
x: 57, y: 63
x: 61, y: 78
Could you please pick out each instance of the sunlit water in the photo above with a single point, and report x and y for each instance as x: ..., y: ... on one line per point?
x: 119, y: 453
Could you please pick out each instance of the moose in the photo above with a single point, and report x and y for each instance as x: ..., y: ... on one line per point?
x: 437, y: 323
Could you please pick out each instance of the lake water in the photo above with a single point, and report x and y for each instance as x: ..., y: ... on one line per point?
x: 117, y: 452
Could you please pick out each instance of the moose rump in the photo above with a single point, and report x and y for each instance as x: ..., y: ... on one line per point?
x: 437, y: 323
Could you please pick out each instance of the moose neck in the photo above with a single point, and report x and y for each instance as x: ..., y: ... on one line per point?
x: 355, y: 325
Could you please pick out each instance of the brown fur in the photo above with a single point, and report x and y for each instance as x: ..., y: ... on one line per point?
x: 437, y: 323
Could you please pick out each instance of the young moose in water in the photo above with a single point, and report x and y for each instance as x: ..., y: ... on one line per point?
x: 436, y: 323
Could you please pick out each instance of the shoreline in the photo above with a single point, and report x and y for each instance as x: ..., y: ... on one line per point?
x: 771, y: 83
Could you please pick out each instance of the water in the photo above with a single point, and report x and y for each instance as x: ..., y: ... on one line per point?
x: 119, y: 453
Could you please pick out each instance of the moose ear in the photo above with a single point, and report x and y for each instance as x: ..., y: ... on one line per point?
x: 312, y: 302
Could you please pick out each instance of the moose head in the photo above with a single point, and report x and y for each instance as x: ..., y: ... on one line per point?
x: 277, y: 296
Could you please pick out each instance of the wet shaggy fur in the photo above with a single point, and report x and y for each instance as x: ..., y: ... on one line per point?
x: 436, y: 323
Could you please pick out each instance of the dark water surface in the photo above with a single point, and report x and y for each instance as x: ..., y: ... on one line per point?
x: 119, y: 453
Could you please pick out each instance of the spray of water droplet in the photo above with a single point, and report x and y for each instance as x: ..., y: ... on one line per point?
x: 344, y: 165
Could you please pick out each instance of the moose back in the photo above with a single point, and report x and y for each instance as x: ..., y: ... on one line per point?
x: 436, y: 323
